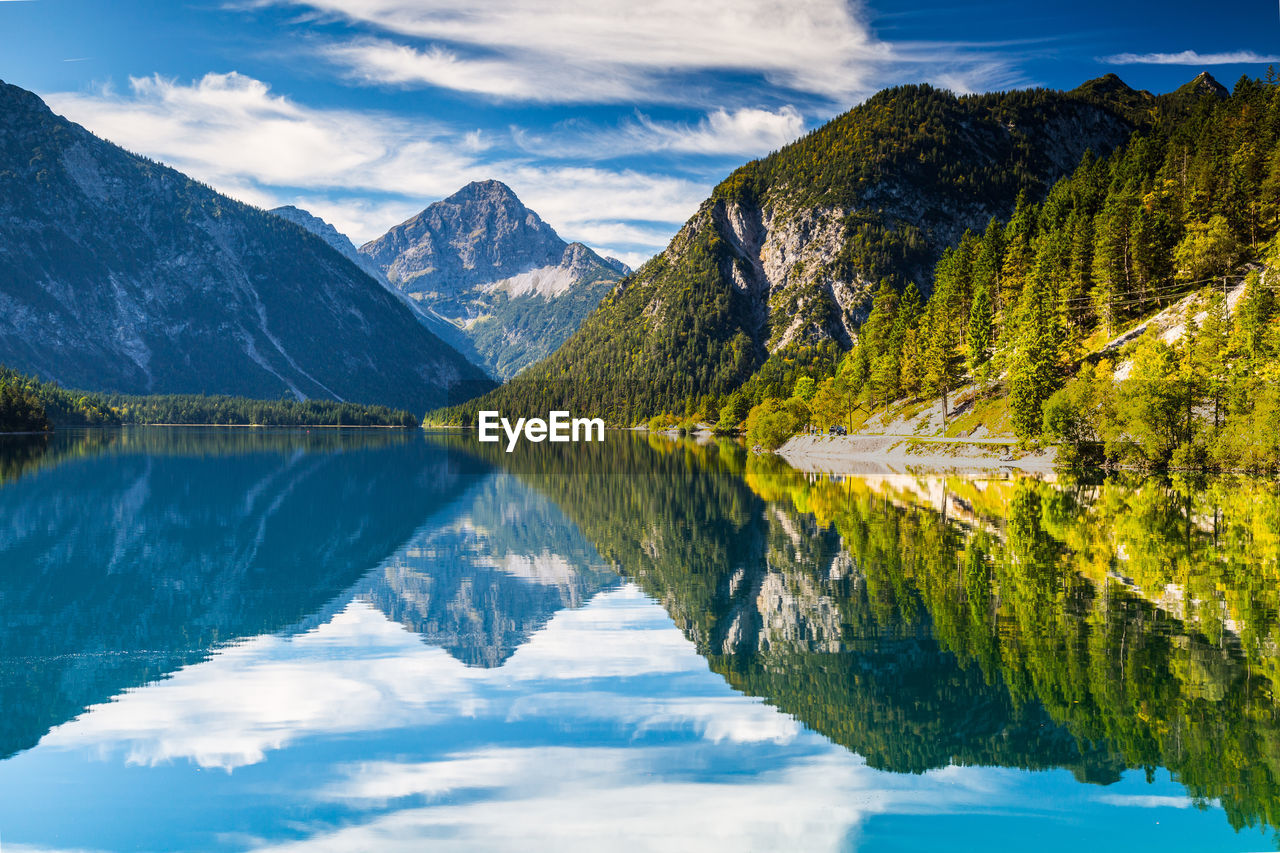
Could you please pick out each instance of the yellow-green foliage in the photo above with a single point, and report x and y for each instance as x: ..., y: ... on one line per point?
x: 770, y: 424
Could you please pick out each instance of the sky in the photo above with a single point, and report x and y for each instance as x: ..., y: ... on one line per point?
x: 613, y: 119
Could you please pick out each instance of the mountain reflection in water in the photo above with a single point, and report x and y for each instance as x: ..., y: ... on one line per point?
x: 382, y: 641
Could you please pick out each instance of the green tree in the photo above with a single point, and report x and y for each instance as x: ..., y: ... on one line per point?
x: 1034, y: 370
x: 1113, y: 261
x: 770, y: 424
x: 942, y: 360
x: 1209, y: 249
x: 1150, y: 422
x: 732, y: 413
x: 978, y: 340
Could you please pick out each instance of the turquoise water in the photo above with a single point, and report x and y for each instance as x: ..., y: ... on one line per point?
x: 255, y: 640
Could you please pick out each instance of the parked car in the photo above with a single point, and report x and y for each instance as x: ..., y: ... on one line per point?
x: 837, y: 430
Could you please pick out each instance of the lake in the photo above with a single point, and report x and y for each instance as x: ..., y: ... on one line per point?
x: 378, y: 640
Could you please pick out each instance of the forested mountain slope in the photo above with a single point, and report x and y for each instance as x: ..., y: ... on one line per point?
x: 786, y: 253
x: 1190, y: 207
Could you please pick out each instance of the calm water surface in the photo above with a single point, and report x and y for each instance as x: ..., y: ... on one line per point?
x: 256, y: 640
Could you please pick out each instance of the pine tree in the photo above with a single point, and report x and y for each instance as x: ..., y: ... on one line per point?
x: 1081, y: 273
x: 1015, y: 267
x: 1034, y: 370
x: 1052, y: 273
x: 941, y: 356
x: 978, y: 339
x: 1212, y: 351
x: 1256, y: 308
x: 1112, y: 261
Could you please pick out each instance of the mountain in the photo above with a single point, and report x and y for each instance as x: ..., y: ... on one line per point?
x: 335, y: 238
x: 488, y: 573
x: 124, y: 275
x: 786, y: 252
x: 437, y: 325
x: 495, y: 269
x: 1202, y: 84
x: 1110, y: 90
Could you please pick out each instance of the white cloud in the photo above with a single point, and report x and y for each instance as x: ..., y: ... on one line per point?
x: 976, y: 76
x: 609, y: 50
x: 687, y: 762
x: 668, y: 52
x: 746, y: 132
x: 1190, y: 57
x: 232, y: 131
x: 631, y: 259
x: 1147, y: 801
x: 381, y: 61
x: 265, y: 694
x: 364, y: 172
x: 576, y: 200
x: 572, y: 799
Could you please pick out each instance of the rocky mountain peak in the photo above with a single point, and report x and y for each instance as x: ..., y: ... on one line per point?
x: 580, y: 258
x: 16, y: 101
x: 1110, y: 91
x: 490, y: 191
x: 480, y: 233
x: 335, y: 238
x: 314, y: 224
x: 491, y: 266
x: 1107, y: 83
x: 1204, y: 84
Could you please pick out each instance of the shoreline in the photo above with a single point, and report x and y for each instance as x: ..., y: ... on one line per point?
x: 236, y: 426
x: 900, y: 454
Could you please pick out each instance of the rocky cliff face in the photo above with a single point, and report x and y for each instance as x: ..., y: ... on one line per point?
x: 497, y: 271
x: 124, y: 275
x: 791, y: 258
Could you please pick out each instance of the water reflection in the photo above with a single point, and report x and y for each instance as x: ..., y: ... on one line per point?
x: 355, y: 641
x: 925, y: 622
x: 480, y: 582
x: 138, y: 554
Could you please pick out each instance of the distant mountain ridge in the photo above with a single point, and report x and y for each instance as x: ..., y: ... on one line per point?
x: 497, y: 271
x: 335, y: 238
x: 125, y: 275
x: 437, y: 325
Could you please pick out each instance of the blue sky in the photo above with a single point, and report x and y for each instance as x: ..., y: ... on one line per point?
x: 611, y: 118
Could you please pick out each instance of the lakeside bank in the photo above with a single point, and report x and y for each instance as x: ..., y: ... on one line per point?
x: 860, y: 454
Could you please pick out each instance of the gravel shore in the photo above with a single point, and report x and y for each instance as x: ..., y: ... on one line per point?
x: 866, y: 454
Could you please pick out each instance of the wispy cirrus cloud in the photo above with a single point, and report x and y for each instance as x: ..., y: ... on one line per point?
x: 524, y: 78
x: 607, y: 50
x: 1190, y: 57
x: 745, y: 132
